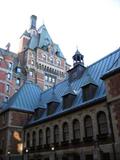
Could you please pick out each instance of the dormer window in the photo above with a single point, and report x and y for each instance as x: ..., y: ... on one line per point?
x: 88, y: 91
x: 52, y: 103
x: 68, y: 100
x: 18, y: 70
x: 68, y: 97
x: 51, y: 108
x: 38, y: 112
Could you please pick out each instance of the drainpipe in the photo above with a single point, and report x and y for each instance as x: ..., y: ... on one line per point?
x: 112, y: 133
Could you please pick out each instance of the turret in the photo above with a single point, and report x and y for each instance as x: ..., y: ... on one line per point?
x: 78, y: 66
x: 78, y: 58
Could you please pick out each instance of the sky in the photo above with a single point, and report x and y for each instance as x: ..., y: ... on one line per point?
x: 91, y: 26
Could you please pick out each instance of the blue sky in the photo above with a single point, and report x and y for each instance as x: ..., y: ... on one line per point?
x: 92, y: 26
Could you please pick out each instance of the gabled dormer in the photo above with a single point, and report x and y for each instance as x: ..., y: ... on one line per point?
x: 89, y: 88
x: 39, y: 110
x: 68, y: 96
x: 52, y: 103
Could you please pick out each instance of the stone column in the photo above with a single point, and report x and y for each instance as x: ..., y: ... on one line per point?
x: 70, y: 131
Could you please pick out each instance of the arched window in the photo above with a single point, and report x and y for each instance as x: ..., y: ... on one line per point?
x: 102, y: 123
x: 48, y: 136
x: 65, y: 132
x: 88, y: 126
x: 56, y: 134
x: 28, y: 140
x: 76, y: 129
x: 40, y: 137
x: 33, y: 138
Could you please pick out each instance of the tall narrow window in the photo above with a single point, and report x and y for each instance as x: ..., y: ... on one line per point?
x: 7, y: 88
x: 33, y: 138
x: 9, y: 76
x: 65, y: 132
x: 76, y: 129
x: 10, y: 65
x: 40, y: 137
x: 102, y: 123
x: 56, y: 134
x: 28, y: 140
x: 48, y: 136
x: 88, y: 126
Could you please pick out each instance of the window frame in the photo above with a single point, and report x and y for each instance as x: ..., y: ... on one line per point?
x: 48, y: 136
x: 76, y: 129
x: 56, y: 134
x: 65, y: 132
x: 102, y: 123
x: 88, y: 126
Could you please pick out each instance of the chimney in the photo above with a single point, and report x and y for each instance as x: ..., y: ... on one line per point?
x: 33, y: 22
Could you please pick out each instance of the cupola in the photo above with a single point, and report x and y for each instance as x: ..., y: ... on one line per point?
x: 78, y: 58
x: 78, y: 66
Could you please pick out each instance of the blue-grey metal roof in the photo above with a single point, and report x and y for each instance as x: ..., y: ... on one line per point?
x: 95, y: 71
x: 114, y: 69
x: 45, y: 38
x: 88, y: 80
x: 53, y: 97
x: 29, y: 96
x: 33, y: 43
x: 69, y: 90
x: 25, y: 99
x: 42, y: 39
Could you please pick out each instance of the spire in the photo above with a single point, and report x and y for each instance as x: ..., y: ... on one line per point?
x: 78, y: 58
x: 33, y: 22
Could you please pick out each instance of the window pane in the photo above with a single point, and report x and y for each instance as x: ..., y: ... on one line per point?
x: 88, y: 126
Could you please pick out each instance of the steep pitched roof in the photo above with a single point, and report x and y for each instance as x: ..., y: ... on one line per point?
x: 114, y: 69
x: 95, y: 71
x: 88, y: 80
x: 25, y: 99
x: 29, y: 95
x: 45, y: 38
x: 69, y: 90
x: 42, y: 39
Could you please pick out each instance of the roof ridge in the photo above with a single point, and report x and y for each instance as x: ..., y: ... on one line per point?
x: 104, y: 57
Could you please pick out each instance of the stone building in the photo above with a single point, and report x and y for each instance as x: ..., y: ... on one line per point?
x: 39, y: 60
x: 77, y: 119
